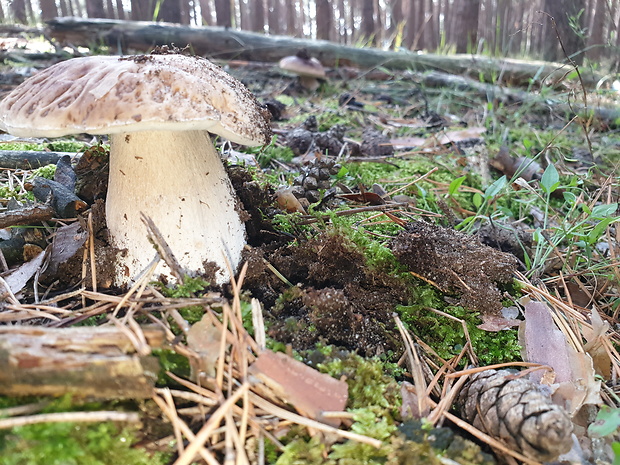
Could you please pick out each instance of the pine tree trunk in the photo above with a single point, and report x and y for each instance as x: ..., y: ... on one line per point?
x: 291, y: 19
x: 223, y: 13
x: 120, y: 9
x: 595, y: 42
x: 48, y: 9
x: 18, y: 8
x: 367, y: 26
x: 323, y: 19
x: 564, y: 12
x: 258, y: 15
x: 206, y: 13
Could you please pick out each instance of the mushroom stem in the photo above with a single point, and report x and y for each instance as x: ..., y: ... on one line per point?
x: 177, y: 179
x: 309, y: 82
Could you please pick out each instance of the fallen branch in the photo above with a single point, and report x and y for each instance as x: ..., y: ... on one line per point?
x: 227, y: 43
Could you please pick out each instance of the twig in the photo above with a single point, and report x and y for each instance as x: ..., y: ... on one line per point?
x: 78, y: 417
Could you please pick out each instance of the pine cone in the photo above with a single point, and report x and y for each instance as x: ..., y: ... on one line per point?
x: 314, y: 177
x: 518, y: 412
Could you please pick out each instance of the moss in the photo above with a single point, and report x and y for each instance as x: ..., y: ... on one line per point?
x: 190, y: 288
x: 170, y: 361
x: 47, y: 172
x: 69, y: 443
x: 56, y: 146
x: 371, y: 382
x: 447, y: 338
x: 74, y: 444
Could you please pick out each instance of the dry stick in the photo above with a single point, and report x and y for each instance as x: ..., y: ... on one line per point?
x: 174, y: 419
x: 396, y: 191
x: 308, y: 423
x: 414, y: 365
x: 78, y: 417
x: 91, y: 247
x: 474, y: 358
x: 213, y: 421
x: 146, y: 275
x: 353, y: 211
x: 189, y: 434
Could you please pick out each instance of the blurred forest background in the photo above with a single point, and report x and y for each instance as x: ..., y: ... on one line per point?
x: 516, y: 28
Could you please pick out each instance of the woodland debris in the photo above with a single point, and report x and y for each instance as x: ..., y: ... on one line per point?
x: 314, y: 179
x: 94, y: 362
x: 243, y: 45
x: 376, y: 144
x: 62, y: 199
x: 309, y: 391
x: 518, y: 412
x: 455, y: 262
x: 29, y: 159
x: 29, y: 214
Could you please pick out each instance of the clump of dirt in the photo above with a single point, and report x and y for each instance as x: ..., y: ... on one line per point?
x: 513, y: 239
x: 455, y: 263
x: 376, y: 144
x: 340, y: 299
x: 258, y: 206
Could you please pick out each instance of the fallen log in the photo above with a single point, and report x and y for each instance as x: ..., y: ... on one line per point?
x: 30, y: 159
x: 87, y: 362
x: 226, y: 43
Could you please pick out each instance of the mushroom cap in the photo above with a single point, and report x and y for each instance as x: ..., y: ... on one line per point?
x: 310, y: 67
x: 111, y: 95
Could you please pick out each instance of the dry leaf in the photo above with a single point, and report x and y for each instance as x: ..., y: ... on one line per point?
x: 544, y: 343
x: 18, y: 278
x: 204, y: 338
x: 595, y: 346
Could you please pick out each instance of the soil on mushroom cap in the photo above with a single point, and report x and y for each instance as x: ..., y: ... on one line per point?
x: 342, y: 300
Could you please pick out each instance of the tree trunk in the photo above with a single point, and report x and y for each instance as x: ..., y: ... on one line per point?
x: 396, y: 15
x: 291, y: 19
x: 273, y: 17
x: 170, y: 11
x: 466, y: 30
x: 206, y: 13
x: 223, y: 13
x: 367, y: 26
x: 596, y: 42
x: 120, y: 9
x: 258, y: 15
x: 566, y: 15
x: 94, y: 9
x: 142, y: 10
x: 18, y: 8
x: 48, y: 9
x: 324, y: 17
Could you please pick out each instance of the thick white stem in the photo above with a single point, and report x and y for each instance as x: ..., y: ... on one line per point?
x: 176, y: 178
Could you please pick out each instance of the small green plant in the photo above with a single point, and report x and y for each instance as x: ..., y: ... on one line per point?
x: 607, y: 424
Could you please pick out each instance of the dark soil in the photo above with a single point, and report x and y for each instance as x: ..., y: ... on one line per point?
x: 456, y: 263
x: 339, y: 299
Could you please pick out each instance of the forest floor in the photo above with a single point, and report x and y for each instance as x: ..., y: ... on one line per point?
x: 403, y: 241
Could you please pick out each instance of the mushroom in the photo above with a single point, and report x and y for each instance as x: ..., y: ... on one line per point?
x: 157, y: 110
x: 308, y: 69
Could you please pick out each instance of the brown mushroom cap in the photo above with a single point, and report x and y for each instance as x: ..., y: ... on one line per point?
x: 310, y: 67
x: 110, y: 95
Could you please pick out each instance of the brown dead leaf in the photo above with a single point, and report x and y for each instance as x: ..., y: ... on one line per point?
x: 544, y: 343
x: 204, y: 338
x: 494, y: 323
x: 450, y: 137
x: 595, y: 346
x: 309, y: 391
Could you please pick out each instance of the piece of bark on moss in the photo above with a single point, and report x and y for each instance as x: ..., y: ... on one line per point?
x: 93, y: 362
